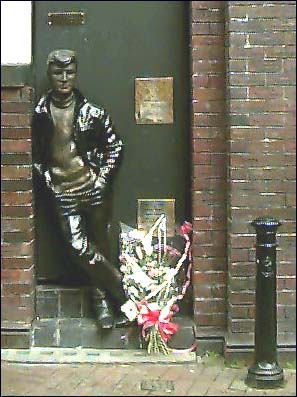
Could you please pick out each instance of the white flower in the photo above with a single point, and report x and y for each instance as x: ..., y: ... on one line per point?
x: 152, y: 264
x: 136, y: 234
x: 123, y: 268
x: 147, y: 244
x: 139, y: 253
x: 133, y: 291
x: 130, y: 310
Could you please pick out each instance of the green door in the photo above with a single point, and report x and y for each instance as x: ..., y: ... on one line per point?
x: 119, y: 42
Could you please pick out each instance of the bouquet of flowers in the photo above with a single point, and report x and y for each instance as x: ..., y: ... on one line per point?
x: 150, y: 270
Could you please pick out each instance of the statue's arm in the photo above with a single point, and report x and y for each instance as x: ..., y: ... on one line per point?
x: 38, y: 155
x: 36, y: 145
x: 112, y: 147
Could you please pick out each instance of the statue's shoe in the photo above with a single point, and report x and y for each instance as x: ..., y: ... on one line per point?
x: 104, y: 314
x: 122, y: 321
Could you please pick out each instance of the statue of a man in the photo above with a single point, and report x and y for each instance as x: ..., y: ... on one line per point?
x: 76, y: 151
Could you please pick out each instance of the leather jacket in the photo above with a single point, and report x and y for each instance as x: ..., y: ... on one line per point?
x: 93, y: 133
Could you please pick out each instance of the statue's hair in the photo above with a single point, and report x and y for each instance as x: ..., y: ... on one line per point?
x: 61, y: 57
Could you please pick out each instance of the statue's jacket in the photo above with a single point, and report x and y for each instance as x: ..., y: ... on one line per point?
x: 93, y: 134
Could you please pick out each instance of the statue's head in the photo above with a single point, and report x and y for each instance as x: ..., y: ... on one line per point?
x: 61, y: 71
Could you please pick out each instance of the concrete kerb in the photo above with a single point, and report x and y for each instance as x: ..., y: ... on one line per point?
x: 39, y: 355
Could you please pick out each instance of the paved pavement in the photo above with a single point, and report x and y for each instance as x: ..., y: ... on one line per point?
x: 205, y: 377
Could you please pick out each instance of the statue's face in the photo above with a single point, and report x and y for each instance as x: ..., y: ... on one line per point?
x: 62, y: 78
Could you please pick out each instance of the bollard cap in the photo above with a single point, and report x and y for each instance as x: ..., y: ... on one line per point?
x: 266, y: 222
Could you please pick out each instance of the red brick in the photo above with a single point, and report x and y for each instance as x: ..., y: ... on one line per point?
x: 209, y: 171
x: 247, y: 79
x: 208, y: 94
x: 16, y: 198
x: 290, y: 283
x: 200, y: 80
x: 206, y: 5
x: 209, y: 277
x: 18, y: 237
x: 217, y: 81
x: 17, y: 224
x: 201, y: 28
x: 207, y: 132
x: 10, y: 94
x: 286, y: 297
x: 22, y: 314
x: 272, y: 38
x: 257, y: 25
x: 15, y: 133
x: 16, y: 263
x: 261, y: 11
x: 242, y: 269
x: 17, y: 250
x: 201, y: 158
x: 213, y: 28
x: 211, y: 264
x: 17, y: 211
x: 239, y: 298
x: 291, y: 200
x: 17, y: 289
x: 17, y: 275
x: 240, y: 311
x: 15, y: 120
x: 203, y: 40
x: 15, y: 146
x: 207, y: 15
x: 210, y: 319
x: 209, y: 106
x: 215, y: 291
x: 27, y: 94
x: 17, y: 159
x: 243, y: 325
x: 266, y: 92
x: 210, y: 145
x: 16, y: 107
x: 208, y: 52
x: 205, y: 224
x: 16, y: 185
x: 15, y: 172
x: 208, y: 251
x: 210, y: 306
x: 242, y: 241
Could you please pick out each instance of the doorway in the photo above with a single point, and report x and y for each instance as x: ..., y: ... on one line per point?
x: 118, y: 43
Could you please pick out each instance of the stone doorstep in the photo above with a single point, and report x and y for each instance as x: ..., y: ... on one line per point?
x: 39, y: 355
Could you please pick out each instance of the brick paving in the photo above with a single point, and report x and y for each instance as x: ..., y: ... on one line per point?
x: 204, y: 378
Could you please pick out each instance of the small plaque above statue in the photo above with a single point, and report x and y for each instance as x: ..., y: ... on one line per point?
x: 66, y: 18
x: 149, y: 210
x: 154, y: 100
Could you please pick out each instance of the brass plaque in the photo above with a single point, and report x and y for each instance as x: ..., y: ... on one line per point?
x: 66, y: 18
x: 154, y: 100
x: 149, y: 210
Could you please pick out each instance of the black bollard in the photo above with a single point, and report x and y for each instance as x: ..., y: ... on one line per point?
x: 265, y: 372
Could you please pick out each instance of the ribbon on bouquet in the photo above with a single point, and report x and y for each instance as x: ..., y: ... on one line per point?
x: 149, y: 317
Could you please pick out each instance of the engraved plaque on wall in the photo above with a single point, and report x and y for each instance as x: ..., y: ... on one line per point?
x: 154, y: 100
x: 149, y: 210
x: 66, y: 18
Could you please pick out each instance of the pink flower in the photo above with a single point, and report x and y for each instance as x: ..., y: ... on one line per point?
x: 172, y: 251
x: 154, y: 273
x: 186, y: 228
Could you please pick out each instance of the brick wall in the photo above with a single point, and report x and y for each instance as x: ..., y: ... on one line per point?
x: 17, y: 281
x: 261, y: 171
x: 209, y: 165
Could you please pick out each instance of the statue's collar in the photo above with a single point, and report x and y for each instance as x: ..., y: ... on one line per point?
x: 80, y: 100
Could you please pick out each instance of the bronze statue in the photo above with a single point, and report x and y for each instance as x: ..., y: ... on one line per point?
x: 76, y: 152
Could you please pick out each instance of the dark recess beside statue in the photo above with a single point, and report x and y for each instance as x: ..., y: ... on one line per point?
x: 76, y: 152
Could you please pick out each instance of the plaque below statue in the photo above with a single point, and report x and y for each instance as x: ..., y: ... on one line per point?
x: 76, y: 153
